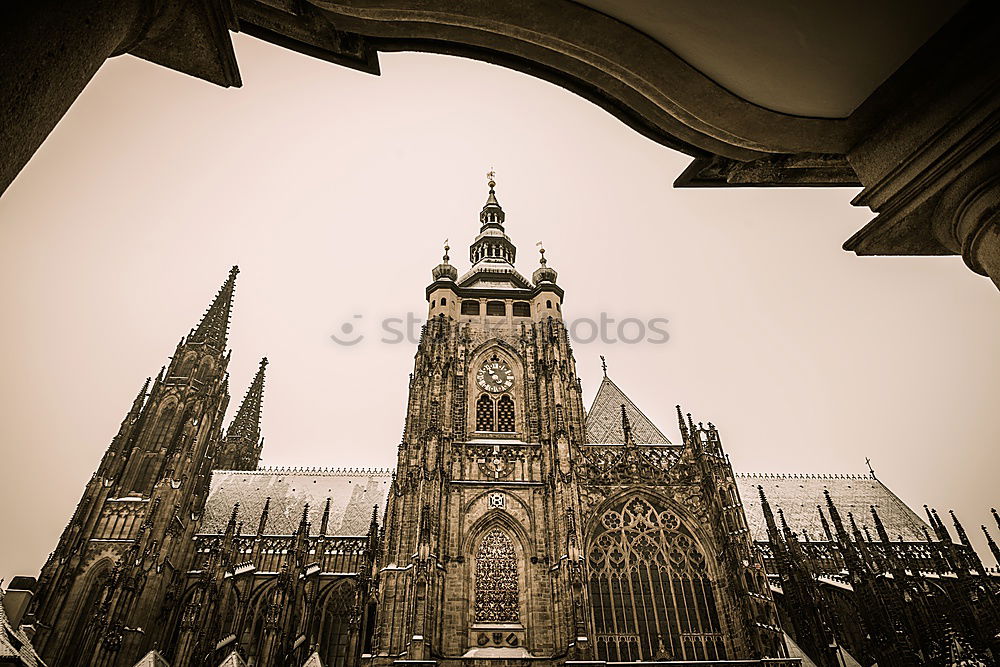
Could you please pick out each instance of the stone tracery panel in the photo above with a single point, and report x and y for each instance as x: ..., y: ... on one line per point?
x: 497, y: 595
x: 649, y: 585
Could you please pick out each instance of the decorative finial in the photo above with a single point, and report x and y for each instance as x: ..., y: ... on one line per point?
x: 541, y: 251
x: 868, y: 462
x: 446, y: 249
x: 263, y: 363
x: 491, y: 177
x: 604, y: 366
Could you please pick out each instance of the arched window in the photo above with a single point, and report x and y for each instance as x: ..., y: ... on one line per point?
x: 495, y: 415
x: 334, y: 627
x: 485, y: 417
x: 470, y: 307
x: 444, y: 301
x: 548, y: 303
x: 163, y: 427
x: 651, y: 594
x: 496, y: 580
x: 496, y: 308
x: 505, y: 414
x: 522, y: 309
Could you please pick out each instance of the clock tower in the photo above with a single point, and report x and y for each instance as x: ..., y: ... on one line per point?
x: 481, y: 542
x: 520, y: 527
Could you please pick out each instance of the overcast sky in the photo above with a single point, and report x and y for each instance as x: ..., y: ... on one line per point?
x: 333, y: 190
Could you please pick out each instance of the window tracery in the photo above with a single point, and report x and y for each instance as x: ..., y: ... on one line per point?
x: 651, y: 594
x: 496, y: 580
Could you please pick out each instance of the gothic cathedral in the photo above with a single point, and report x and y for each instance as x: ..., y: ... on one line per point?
x: 517, y: 527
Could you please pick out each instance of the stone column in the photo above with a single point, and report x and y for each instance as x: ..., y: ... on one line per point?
x: 967, y: 217
x: 50, y: 49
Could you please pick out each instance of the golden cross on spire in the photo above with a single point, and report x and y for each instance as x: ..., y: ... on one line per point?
x: 491, y: 178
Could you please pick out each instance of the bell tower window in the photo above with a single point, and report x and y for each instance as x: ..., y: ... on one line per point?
x: 505, y: 414
x: 495, y: 415
x: 496, y: 580
x: 485, y: 414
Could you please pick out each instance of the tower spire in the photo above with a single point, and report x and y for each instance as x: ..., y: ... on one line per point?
x: 242, y: 444
x: 492, y: 245
x: 246, y: 423
x: 213, y: 330
x: 993, y: 545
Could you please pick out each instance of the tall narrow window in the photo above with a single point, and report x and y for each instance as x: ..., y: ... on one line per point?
x: 485, y: 417
x: 505, y: 414
x: 496, y: 580
x: 650, y: 590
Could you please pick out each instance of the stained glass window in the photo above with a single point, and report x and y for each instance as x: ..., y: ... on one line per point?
x: 650, y: 590
x: 496, y: 580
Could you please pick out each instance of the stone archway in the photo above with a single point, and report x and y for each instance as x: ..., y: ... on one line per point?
x: 905, y: 141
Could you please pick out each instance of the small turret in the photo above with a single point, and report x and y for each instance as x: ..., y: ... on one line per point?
x: 444, y: 270
x: 544, y: 273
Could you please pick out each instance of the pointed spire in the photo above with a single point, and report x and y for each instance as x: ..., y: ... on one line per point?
x: 996, y: 517
x: 304, y: 523
x: 246, y: 424
x: 325, y: 521
x: 883, y: 535
x: 626, y: 426
x: 213, y: 330
x: 231, y: 526
x: 785, y: 530
x: 972, y: 556
x: 772, y: 528
x: 993, y: 545
x: 825, y: 523
x: 960, y: 529
x: 263, y: 516
x: 683, y: 426
x: 491, y: 200
x: 140, y: 399
x: 942, y: 529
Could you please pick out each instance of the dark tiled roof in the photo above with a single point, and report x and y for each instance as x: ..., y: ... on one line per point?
x: 604, y: 421
x: 798, y: 496
x: 15, y: 645
x: 352, y: 494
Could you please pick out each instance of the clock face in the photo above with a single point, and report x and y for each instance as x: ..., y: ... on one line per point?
x: 495, y: 376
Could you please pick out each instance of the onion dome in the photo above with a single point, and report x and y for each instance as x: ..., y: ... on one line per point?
x: 544, y: 273
x: 444, y: 270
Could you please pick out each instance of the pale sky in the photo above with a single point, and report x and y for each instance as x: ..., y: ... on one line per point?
x: 333, y: 190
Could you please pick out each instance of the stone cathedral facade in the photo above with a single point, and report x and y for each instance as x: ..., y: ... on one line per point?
x: 517, y: 527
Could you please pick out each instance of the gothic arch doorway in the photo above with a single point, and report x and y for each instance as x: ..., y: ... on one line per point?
x: 651, y: 593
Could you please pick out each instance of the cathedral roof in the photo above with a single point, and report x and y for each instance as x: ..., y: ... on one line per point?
x: 352, y: 493
x: 15, y: 645
x: 604, y: 421
x: 798, y: 495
